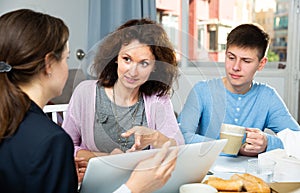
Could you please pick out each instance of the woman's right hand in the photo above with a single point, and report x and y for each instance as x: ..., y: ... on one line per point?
x: 144, y: 136
x: 151, y: 174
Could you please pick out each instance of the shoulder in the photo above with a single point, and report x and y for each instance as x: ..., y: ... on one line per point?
x: 264, y: 88
x: 83, y: 90
x: 41, y: 129
x: 86, y: 84
x: 216, y: 82
x: 154, y: 99
x: 37, y: 120
x: 205, y: 88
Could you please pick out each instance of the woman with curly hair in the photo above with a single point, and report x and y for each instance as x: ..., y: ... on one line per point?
x: 37, y: 155
x: 128, y: 107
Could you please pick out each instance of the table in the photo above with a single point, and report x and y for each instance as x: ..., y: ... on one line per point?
x: 224, y: 167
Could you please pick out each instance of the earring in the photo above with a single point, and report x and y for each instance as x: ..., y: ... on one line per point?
x: 49, y: 74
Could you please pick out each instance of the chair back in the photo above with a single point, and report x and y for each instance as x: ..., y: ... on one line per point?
x: 56, y: 111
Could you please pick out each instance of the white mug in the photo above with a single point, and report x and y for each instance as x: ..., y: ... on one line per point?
x: 197, y: 188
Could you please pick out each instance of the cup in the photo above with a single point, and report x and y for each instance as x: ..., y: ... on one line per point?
x: 197, y: 188
x: 235, y: 135
x: 262, y: 168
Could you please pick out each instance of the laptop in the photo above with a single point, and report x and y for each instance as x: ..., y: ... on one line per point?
x: 107, y: 173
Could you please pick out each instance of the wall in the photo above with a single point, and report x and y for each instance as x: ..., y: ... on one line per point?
x: 74, y: 13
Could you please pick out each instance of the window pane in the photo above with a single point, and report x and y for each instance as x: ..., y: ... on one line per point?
x: 214, y: 19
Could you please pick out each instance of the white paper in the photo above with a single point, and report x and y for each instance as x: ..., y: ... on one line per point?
x: 287, y: 168
x: 291, y: 142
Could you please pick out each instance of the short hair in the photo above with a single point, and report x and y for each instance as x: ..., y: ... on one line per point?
x: 249, y: 36
x: 147, y: 32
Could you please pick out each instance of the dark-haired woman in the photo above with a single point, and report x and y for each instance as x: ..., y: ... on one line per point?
x: 128, y: 107
x: 36, y: 155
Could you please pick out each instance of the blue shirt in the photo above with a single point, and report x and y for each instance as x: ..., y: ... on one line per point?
x: 209, y: 104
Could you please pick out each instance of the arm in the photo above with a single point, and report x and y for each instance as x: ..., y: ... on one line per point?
x: 162, y: 124
x: 73, y: 121
x: 70, y: 126
x: 161, y: 117
x: 144, y: 137
x: 189, y: 118
x: 51, y: 164
x: 90, y: 154
x: 154, y: 172
x: 273, y: 115
x: 279, y: 119
x: 79, y: 119
x: 83, y: 156
x: 165, y: 122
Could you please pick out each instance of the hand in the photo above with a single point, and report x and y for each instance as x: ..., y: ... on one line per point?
x: 152, y: 173
x: 256, y: 142
x: 116, y: 151
x: 144, y: 136
x: 81, y: 165
x: 81, y: 162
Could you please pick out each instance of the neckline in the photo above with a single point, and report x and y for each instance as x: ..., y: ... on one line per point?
x: 123, y: 142
x: 237, y: 94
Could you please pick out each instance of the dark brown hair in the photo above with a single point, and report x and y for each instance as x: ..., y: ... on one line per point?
x: 26, y: 37
x: 249, y: 36
x: 146, y: 32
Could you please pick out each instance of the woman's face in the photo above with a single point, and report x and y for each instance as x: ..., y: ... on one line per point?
x: 135, y: 64
x: 61, y: 72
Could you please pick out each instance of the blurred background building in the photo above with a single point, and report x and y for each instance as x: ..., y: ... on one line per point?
x: 211, y: 20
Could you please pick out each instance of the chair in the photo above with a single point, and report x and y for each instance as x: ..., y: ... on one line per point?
x: 57, y: 112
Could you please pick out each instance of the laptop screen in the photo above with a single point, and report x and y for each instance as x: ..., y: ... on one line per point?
x: 107, y: 173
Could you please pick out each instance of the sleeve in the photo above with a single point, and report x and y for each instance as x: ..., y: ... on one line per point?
x: 70, y: 124
x: 123, y: 189
x: 79, y: 119
x: 165, y: 119
x: 273, y: 142
x: 52, y: 166
x: 279, y: 119
x: 190, y: 116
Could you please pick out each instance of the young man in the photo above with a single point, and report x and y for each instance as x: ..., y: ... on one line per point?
x: 237, y: 98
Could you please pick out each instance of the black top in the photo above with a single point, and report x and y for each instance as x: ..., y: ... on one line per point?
x: 38, y: 158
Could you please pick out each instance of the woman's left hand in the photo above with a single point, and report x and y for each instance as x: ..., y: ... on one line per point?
x: 81, y: 165
x: 144, y: 136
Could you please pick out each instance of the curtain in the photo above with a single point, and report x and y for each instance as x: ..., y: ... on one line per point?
x: 106, y: 15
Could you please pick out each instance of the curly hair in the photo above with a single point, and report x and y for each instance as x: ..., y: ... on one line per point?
x: 146, y: 32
